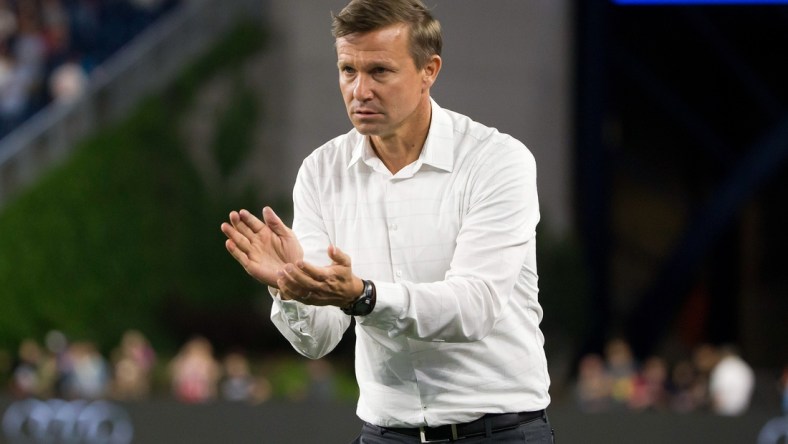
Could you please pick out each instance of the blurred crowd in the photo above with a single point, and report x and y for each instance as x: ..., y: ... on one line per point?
x: 713, y: 378
x: 49, y: 48
x: 133, y: 371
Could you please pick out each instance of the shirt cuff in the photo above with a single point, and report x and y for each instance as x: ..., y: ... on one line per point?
x: 390, y: 303
x: 289, y: 308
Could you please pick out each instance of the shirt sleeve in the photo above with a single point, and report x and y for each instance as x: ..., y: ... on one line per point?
x: 494, y: 258
x: 312, y: 331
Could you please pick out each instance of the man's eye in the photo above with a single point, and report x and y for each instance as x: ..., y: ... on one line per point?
x: 348, y: 70
x: 379, y: 70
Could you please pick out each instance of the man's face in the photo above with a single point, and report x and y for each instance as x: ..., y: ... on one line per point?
x: 384, y: 93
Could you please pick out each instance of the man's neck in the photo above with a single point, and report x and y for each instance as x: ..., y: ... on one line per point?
x: 400, y: 150
x: 397, y: 154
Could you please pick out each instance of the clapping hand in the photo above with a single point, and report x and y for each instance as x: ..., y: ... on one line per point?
x: 262, y: 247
x: 334, y: 284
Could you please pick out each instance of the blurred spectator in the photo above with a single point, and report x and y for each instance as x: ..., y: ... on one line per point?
x: 56, y: 30
x: 133, y: 363
x: 686, y: 392
x: 53, y: 13
x: 7, y: 21
x: 621, y: 367
x: 60, y: 366
x: 731, y: 384
x: 237, y: 383
x: 13, y: 90
x: 67, y: 82
x: 594, y: 385
x: 88, y: 376
x: 26, y: 377
x: 48, y: 48
x: 30, y: 51
x: 195, y: 373
x: 649, y: 389
x: 262, y: 390
x: 704, y: 358
x: 714, y: 379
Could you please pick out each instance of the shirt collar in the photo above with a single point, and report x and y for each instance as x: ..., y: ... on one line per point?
x: 438, y: 149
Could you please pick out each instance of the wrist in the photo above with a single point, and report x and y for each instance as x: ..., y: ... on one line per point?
x: 364, y: 304
x: 358, y: 288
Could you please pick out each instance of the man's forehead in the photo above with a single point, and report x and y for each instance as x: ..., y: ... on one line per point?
x: 368, y: 59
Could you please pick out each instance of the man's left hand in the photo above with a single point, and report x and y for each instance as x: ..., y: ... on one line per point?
x: 331, y: 285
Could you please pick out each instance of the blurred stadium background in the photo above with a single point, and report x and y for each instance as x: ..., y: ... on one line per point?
x: 132, y: 127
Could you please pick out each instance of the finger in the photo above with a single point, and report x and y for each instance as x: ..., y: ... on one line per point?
x: 302, y: 279
x: 239, y: 240
x: 235, y: 218
x: 238, y: 221
x: 284, y: 292
x: 236, y: 253
x: 251, y: 221
x: 338, y: 256
x: 317, y: 274
x: 291, y: 288
x: 226, y: 229
x: 274, y: 222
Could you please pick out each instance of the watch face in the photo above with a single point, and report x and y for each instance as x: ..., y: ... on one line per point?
x: 364, y: 304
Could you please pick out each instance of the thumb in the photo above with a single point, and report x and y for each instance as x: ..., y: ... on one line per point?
x: 274, y: 222
x: 338, y: 256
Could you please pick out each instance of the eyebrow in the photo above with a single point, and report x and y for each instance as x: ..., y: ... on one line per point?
x: 385, y: 63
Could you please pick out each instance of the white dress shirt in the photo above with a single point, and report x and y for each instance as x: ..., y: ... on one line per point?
x: 449, y: 242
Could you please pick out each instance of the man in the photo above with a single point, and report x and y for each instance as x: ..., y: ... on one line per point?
x: 438, y: 214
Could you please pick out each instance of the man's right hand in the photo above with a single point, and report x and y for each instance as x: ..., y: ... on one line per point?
x: 262, y: 247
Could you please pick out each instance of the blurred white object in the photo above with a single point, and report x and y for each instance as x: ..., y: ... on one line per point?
x: 731, y: 385
x: 67, y: 82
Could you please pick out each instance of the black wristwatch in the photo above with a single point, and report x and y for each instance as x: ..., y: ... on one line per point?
x: 364, y: 304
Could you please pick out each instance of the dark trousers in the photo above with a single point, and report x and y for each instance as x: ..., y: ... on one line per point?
x: 537, y: 431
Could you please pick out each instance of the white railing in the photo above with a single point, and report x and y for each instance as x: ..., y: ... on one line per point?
x: 144, y: 66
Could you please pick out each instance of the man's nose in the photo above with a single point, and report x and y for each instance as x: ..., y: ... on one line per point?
x: 362, y: 90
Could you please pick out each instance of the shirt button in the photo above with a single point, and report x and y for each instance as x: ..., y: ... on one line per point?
x: 393, y: 227
x: 398, y: 273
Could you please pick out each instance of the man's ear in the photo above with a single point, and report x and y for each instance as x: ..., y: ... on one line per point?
x: 430, y: 71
